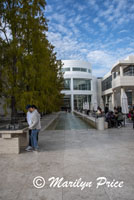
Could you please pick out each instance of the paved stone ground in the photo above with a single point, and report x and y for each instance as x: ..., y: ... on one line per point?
x: 72, y: 154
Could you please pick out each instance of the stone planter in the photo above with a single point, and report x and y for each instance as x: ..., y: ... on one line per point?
x: 100, y: 123
x: 11, y: 141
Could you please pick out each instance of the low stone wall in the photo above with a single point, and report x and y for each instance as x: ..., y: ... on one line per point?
x: 90, y: 120
x: 94, y: 122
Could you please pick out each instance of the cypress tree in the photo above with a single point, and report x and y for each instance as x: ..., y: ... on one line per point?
x: 30, y: 72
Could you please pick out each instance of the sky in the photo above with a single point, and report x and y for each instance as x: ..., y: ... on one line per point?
x: 98, y: 31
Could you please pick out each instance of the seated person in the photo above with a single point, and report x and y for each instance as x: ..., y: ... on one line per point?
x: 110, y: 119
x: 116, y: 116
x: 120, y: 119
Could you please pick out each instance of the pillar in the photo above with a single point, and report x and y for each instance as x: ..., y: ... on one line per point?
x: 122, y: 91
x: 106, y: 99
x: 72, y: 85
x: 72, y: 102
x: 113, y: 99
x: 121, y: 71
x: 72, y: 96
x: 91, y: 103
x: 112, y: 76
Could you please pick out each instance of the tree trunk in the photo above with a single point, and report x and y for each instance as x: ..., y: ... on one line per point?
x: 13, y: 100
x: 13, y: 110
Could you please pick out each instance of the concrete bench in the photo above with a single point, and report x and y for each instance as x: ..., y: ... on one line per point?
x: 11, y: 141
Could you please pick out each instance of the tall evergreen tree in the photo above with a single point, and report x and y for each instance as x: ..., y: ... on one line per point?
x: 29, y: 68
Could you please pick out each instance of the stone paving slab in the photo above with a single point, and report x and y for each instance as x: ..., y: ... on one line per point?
x: 72, y: 154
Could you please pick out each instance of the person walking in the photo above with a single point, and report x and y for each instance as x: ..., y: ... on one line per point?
x: 35, y: 127
x: 29, y: 117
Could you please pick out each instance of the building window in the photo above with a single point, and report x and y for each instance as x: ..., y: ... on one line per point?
x: 107, y: 83
x: 89, y: 70
x: 67, y: 69
x: 66, y: 103
x: 79, y: 101
x: 77, y: 69
x: 82, y: 84
x: 129, y: 71
x: 129, y: 96
x: 83, y: 70
x: 67, y: 84
x: 115, y: 75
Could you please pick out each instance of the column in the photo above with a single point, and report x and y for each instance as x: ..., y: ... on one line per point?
x: 72, y: 102
x: 122, y: 91
x: 91, y: 103
x: 113, y: 99
x: 112, y: 76
x: 121, y: 71
x: 72, y: 85
x: 106, y: 100
x: 72, y: 96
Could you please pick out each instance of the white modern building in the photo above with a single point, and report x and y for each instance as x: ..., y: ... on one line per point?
x: 82, y: 90
x: 79, y: 85
x: 119, y: 80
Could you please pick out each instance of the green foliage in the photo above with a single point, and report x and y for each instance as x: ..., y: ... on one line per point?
x: 29, y: 70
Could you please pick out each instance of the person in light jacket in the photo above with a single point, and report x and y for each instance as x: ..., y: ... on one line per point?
x: 35, y: 127
x: 28, y: 117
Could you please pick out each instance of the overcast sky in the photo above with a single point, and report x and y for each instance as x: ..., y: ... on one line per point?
x: 98, y: 31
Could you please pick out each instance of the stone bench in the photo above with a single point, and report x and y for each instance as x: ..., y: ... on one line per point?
x: 11, y: 141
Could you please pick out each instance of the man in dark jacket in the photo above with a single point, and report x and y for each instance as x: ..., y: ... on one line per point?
x: 106, y: 109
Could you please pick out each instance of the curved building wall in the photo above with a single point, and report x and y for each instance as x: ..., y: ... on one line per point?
x: 119, y: 80
x: 78, y: 87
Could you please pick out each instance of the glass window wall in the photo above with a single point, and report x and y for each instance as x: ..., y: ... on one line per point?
x: 79, y: 100
x: 67, y: 84
x: 79, y: 69
x: 129, y: 71
x: 129, y: 96
x: 66, y: 103
x: 107, y: 83
x: 65, y: 69
x: 81, y: 84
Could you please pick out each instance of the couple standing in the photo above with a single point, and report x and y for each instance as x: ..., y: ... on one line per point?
x: 33, y: 120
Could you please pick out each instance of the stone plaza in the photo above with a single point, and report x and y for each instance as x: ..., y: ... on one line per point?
x: 72, y: 150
